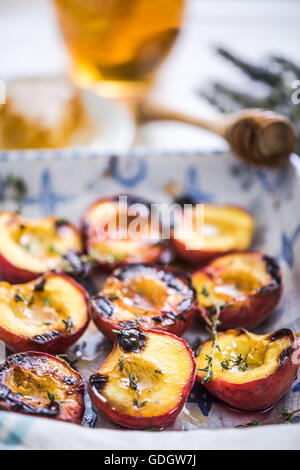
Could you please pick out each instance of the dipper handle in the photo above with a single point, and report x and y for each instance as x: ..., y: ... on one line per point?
x: 257, y: 136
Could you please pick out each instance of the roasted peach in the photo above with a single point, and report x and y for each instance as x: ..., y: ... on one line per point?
x: 145, y: 295
x: 249, y: 372
x: 29, y: 248
x: 246, y: 286
x: 118, y: 230
x: 41, y: 385
x: 146, y: 379
x: 224, y: 229
x: 48, y: 314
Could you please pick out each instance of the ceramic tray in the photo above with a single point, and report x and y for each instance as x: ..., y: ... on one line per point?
x: 65, y: 183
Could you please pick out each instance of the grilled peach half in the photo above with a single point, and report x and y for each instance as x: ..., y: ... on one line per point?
x: 118, y: 230
x: 220, y: 230
x: 48, y: 314
x: 41, y: 385
x: 29, y: 248
x: 250, y: 372
x: 150, y: 296
x: 145, y: 381
x: 246, y: 286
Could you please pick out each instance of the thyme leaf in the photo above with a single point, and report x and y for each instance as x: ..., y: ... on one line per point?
x: 52, y: 398
x: 212, y: 324
x: 239, y: 361
x: 18, y: 297
x: 205, y: 292
x: 47, y: 303
x: 139, y: 404
x: 54, y: 250
x: 133, y: 380
x: 287, y: 415
x: 69, y: 325
x: 113, y: 297
x: 247, y: 425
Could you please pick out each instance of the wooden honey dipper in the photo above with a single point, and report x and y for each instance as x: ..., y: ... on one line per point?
x: 257, y: 136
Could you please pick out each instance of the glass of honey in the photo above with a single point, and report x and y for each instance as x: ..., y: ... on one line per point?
x: 118, y: 45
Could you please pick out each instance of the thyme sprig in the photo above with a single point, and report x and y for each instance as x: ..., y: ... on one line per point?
x: 53, y: 398
x: 276, y: 74
x: 65, y: 358
x: 138, y: 403
x: 69, y: 324
x: 239, y: 361
x: 212, y: 326
x: 18, y: 297
x: 285, y: 415
x: 254, y: 422
x: 133, y: 380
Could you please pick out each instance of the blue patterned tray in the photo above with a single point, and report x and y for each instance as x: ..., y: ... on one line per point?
x: 65, y: 183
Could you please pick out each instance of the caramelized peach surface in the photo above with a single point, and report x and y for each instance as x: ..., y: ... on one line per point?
x: 225, y: 229
x: 246, y: 286
x: 117, y: 235
x: 40, y: 384
x: 29, y: 248
x: 145, y: 295
x: 48, y: 314
x: 250, y: 371
x: 146, y: 379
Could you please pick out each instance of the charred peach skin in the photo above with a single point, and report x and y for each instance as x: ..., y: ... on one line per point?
x: 150, y: 296
x: 29, y: 248
x: 247, y: 286
x: 121, y: 246
x: 41, y: 385
x: 250, y: 372
x: 226, y: 229
x: 145, y: 381
x: 48, y: 314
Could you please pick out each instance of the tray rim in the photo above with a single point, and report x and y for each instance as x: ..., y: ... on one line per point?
x: 75, y: 153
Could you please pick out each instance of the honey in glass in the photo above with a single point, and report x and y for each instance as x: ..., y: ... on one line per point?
x: 118, y: 44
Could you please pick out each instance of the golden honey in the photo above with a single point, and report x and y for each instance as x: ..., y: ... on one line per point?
x: 118, y: 44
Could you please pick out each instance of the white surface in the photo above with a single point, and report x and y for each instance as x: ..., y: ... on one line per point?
x: 30, y: 43
x: 46, y: 434
x: 114, y: 127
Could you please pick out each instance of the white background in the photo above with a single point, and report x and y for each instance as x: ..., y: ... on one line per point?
x: 30, y: 43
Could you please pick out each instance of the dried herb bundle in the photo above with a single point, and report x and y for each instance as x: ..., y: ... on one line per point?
x: 277, y: 74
